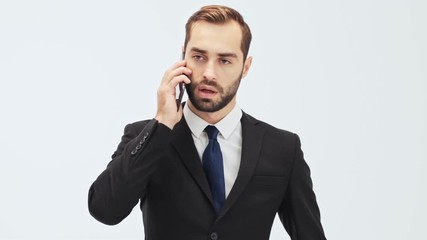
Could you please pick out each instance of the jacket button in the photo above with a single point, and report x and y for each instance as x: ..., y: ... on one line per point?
x: 143, y: 139
x: 133, y: 152
x: 138, y: 146
x: 214, y: 236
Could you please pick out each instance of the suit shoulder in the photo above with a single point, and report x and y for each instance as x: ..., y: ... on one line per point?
x: 270, y: 128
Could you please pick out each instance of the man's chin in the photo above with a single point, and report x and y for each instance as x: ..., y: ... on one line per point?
x: 206, y: 105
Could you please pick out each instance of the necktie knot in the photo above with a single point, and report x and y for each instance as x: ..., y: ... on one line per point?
x: 212, y: 132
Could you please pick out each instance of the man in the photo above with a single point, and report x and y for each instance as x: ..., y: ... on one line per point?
x: 232, y: 190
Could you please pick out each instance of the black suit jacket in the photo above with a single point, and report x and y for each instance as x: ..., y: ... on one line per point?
x: 161, y: 168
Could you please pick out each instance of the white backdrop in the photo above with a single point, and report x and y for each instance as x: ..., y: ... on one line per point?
x: 350, y: 77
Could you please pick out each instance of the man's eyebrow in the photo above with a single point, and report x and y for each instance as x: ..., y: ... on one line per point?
x: 226, y: 54
x: 232, y: 55
x: 194, y: 49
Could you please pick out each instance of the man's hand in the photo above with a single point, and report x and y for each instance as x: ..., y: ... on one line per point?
x: 166, y: 94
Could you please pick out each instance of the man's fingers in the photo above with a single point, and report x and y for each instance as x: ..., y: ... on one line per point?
x: 168, y: 72
x: 177, y: 69
x: 169, y: 88
x: 180, y: 71
x: 178, y: 79
x: 166, y: 94
x: 176, y: 65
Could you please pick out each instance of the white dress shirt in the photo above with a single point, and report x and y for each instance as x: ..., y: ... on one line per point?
x: 229, y: 139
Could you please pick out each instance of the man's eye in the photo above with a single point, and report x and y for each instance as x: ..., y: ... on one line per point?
x: 225, y: 61
x: 198, y: 57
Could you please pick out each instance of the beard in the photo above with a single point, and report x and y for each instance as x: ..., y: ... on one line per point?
x: 210, y: 105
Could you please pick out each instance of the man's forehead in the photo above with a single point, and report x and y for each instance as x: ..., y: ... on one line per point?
x: 218, y: 38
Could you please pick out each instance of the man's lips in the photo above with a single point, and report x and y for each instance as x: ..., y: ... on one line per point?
x: 207, y: 91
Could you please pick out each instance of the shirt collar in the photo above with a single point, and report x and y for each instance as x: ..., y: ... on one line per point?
x: 226, y: 126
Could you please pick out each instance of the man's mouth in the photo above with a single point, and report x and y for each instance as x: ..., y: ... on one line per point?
x: 207, y: 91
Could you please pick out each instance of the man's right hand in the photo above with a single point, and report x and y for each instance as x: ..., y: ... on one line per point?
x: 167, y: 113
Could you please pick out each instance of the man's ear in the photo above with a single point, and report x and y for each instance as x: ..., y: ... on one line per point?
x: 246, y: 66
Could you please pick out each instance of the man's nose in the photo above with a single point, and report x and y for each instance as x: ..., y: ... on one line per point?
x: 209, y: 71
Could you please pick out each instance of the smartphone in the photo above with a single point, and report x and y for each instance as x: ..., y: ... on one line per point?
x: 180, y: 95
x: 180, y: 91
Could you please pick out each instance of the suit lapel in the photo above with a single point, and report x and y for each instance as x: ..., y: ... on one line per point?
x: 183, y: 143
x: 252, y: 138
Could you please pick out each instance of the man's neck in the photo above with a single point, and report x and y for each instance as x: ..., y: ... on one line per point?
x: 213, y: 117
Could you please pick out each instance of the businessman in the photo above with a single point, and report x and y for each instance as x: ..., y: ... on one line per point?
x: 204, y: 169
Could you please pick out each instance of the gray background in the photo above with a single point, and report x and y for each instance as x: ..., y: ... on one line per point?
x: 348, y: 76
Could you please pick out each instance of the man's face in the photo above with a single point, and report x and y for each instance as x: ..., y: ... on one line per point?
x: 214, y: 55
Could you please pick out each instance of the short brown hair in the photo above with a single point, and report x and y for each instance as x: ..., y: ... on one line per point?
x: 217, y: 14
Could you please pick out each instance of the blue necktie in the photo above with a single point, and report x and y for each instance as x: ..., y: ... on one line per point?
x: 213, y: 166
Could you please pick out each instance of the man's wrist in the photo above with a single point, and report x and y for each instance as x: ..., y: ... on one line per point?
x: 164, y: 121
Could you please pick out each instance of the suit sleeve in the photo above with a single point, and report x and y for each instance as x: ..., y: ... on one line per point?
x: 120, y: 186
x: 299, y: 211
